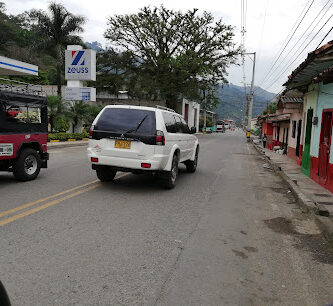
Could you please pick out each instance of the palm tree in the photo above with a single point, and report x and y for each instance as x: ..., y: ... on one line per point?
x: 56, y: 108
x: 78, y: 112
x: 60, y: 29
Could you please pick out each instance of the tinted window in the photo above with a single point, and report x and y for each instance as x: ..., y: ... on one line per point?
x: 122, y: 120
x: 170, y: 122
x: 186, y: 129
x: 179, y: 125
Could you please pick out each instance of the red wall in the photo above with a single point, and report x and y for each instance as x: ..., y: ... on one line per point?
x: 292, y: 153
x: 267, y: 128
x: 314, y: 174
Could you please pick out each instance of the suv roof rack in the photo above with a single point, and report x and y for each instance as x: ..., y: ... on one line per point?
x: 165, y: 108
x: 17, y: 87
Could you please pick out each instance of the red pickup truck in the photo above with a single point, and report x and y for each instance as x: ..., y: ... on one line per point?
x: 23, y: 134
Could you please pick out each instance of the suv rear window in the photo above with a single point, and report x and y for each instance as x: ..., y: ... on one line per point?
x: 125, y: 120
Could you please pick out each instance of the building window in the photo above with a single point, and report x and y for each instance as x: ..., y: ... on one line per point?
x: 293, y: 134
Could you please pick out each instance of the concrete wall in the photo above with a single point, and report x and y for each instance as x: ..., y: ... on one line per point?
x: 283, y: 124
x: 293, y: 141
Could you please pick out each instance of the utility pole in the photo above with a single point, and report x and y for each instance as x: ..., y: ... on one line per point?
x: 249, y: 116
x: 205, y: 113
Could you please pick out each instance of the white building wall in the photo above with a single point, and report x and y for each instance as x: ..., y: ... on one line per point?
x: 193, y: 107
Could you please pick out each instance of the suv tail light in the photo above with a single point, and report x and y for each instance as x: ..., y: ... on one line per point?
x: 91, y: 130
x: 160, y: 139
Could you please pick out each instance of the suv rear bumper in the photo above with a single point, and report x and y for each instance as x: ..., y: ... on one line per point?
x: 157, y: 163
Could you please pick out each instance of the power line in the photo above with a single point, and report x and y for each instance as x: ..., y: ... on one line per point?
x: 300, y: 53
x: 262, y: 30
x: 324, y: 37
x: 286, y: 44
x: 296, y: 50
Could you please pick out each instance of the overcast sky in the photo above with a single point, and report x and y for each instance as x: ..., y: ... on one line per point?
x: 268, y: 24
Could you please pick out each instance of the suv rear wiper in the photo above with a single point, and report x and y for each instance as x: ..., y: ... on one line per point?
x: 137, y: 127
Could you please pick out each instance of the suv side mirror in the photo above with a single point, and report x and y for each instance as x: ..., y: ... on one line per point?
x: 193, y: 130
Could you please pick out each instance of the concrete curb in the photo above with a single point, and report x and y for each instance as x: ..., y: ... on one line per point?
x: 65, y: 144
x: 324, y: 223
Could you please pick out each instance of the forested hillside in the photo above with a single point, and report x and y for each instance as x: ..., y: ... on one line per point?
x: 232, y: 100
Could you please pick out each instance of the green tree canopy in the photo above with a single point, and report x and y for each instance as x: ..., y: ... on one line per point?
x: 177, y: 54
x: 59, y: 28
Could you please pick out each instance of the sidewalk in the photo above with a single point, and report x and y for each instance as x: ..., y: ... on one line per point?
x: 65, y: 144
x: 311, y: 196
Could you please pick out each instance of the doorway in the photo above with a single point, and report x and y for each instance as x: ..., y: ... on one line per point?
x: 325, y: 144
x: 299, y: 132
x: 306, y: 159
x: 186, y: 113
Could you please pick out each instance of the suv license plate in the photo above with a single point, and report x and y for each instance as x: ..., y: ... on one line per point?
x: 122, y: 144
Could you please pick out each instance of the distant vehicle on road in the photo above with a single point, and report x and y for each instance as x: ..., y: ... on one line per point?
x: 220, y: 126
x: 141, y: 140
x: 23, y: 134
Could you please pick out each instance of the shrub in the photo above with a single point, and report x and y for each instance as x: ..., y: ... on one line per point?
x: 61, y: 124
x: 66, y: 136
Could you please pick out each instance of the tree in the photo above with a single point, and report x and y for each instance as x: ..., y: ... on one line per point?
x: 92, y: 112
x: 56, y: 108
x: 59, y: 28
x: 271, y: 108
x: 78, y: 111
x: 176, y: 53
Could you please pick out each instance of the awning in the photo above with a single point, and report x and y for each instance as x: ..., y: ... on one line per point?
x: 279, y: 118
x: 315, y: 63
x: 10, y: 66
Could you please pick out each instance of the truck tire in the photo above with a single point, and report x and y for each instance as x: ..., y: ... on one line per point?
x: 105, y: 174
x: 191, y: 165
x: 171, y: 176
x: 27, y: 165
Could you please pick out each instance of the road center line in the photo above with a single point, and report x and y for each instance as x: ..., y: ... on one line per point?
x: 46, y: 205
x: 13, y: 210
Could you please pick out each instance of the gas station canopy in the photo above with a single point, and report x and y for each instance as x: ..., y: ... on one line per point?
x: 10, y: 66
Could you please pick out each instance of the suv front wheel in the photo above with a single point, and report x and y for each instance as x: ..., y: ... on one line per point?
x: 171, y: 176
x: 27, y: 165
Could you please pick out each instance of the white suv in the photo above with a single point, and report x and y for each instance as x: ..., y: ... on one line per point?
x: 141, y: 139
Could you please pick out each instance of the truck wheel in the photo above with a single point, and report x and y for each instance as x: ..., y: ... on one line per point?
x: 191, y: 165
x: 105, y: 175
x: 171, y: 176
x: 27, y: 165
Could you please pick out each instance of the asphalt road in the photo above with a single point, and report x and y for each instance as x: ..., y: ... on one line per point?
x: 229, y: 234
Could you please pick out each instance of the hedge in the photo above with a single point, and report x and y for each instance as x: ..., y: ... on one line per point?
x: 66, y: 136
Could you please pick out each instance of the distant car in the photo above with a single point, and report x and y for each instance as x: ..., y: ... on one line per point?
x: 141, y: 140
x: 232, y: 129
x: 220, y: 127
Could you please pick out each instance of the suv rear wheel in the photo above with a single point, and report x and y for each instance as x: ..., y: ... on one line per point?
x: 27, y: 165
x: 105, y: 174
x: 171, y: 176
x: 191, y: 165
